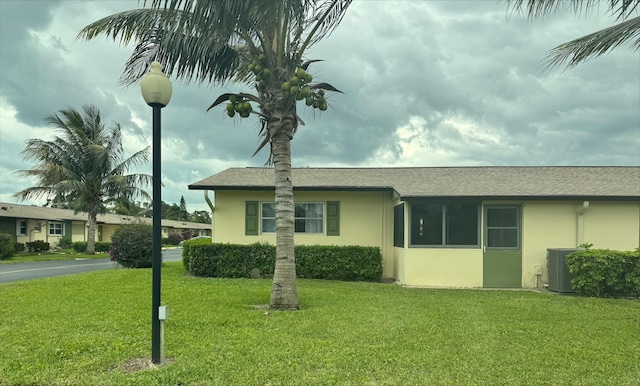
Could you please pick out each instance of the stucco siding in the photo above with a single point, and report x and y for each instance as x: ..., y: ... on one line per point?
x: 439, y: 267
x: 366, y: 218
x: 612, y: 225
x: 106, y: 231
x: 78, y: 231
x: 398, y: 264
x: 605, y: 224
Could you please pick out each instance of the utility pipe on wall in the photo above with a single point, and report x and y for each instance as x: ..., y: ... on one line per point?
x: 213, y: 209
x: 581, y: 210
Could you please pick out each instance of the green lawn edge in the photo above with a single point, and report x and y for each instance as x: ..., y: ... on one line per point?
x: 94, y: 328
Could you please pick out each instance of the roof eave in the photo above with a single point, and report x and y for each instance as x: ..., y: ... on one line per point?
x: 523, y: 197
x: 299, y: 188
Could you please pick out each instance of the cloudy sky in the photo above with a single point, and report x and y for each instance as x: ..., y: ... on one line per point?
x: 426, y: 83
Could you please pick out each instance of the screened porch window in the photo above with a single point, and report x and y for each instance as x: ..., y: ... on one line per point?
x: 445, y: 225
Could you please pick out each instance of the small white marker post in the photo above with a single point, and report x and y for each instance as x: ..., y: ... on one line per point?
x: 163, y: 313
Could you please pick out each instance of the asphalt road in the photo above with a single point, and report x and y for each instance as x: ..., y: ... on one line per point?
x: 36, y: 270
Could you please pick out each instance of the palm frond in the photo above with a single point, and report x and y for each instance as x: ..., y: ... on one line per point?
x: 192, y: 39
x: 598, y: 43
x: 225, y: 97
x: 326, y: 17
x: 77, y: 163
x: 325, y: 86
x: 540, y: 8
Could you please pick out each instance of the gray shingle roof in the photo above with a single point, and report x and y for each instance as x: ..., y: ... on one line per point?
x: 492, y: 181
x: 43, y: 213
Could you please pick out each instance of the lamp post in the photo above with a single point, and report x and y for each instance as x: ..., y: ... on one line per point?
x: 156, y: 91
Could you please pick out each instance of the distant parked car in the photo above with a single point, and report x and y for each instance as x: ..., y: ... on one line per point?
x: 194, y: 238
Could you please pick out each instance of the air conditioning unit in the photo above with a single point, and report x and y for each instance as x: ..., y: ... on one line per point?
x: 559, y: 275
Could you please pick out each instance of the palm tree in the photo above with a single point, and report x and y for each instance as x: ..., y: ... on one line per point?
x: 595, y: 44
x: 83, y: 166
x: 256, y: 42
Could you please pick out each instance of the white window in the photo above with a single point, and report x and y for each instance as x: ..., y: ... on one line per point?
x: 309, y: 217
x: 22, y: 228
x: 56, y: 228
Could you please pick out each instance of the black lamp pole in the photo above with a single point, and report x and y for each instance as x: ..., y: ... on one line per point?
x: 156, y: 90
x: 157, y: 238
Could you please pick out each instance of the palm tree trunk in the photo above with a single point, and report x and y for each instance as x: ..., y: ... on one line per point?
x: 91, y: 237
x: 284, y: 292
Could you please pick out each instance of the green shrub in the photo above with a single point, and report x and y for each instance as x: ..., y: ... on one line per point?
x: 132, y: 245
x: 348, y: 263
x: 173, y: 239
x: 186, y: 247
x: 101, y: 246
x: 37, y: 246
x: 6, y: 246
x: 605, y: 273
x: 79, y: 246
x: 18, y: 247
x: 65, y: 242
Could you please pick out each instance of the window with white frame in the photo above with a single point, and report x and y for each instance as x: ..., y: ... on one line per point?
x: 56, y: 228
x: 22, y: 228
x: 309, y: 217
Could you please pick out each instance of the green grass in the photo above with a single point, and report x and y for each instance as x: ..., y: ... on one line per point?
x: 49, y: 256
x: 83, y: 329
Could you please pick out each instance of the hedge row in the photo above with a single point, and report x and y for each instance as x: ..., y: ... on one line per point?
x: 7, y: 248
x: 38, y: 246
x: 101, y: 246
x: 605, y: 273
x: 349, y: 263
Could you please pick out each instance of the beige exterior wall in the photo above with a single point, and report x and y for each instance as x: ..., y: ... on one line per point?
x: 612, y: 225
x: 605, y: 224
x: 441, y: 267
x: 398, y: 264
x: 43, y: 234
x: 545, y: 224
x: 106, y: 231
x: 78, y: 231
x: 366, y: 218
x: 32, y: 234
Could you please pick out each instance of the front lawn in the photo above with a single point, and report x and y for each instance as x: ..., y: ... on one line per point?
x: 49, y: 256
x: 90, y: 328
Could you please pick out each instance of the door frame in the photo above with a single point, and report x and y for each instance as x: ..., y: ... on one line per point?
x: 501, y: 266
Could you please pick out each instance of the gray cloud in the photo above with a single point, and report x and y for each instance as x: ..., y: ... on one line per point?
x: 425, y: 83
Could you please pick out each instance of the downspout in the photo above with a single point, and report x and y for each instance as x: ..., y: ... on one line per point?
x: 581, y: 210
x: 213, y: 208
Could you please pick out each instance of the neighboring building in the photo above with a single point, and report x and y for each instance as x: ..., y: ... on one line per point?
x: 30, y: 223
x: 442, y: 227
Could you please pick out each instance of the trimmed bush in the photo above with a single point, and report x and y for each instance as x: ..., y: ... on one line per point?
x: 605, y: 273
x: 18, y: 247
x: 348, y: 263
x: 173, y: 239
x: 6, y: 246
x: 132, y: 245
x: 79, y: 246
x: 37, y: 246
x: 101, y: 246
x: 186, y: 249
x: 65, y: 242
